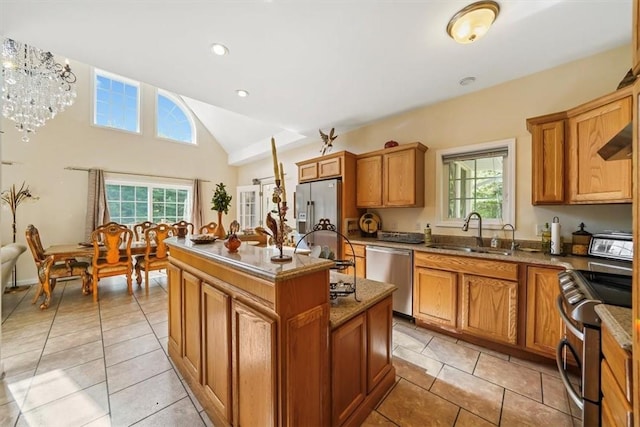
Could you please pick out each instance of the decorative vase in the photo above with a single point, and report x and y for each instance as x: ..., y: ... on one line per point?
x: 219, y: 231
x: 232, y: 243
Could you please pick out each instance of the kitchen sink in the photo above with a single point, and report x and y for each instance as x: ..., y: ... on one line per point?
x: 475, y: 249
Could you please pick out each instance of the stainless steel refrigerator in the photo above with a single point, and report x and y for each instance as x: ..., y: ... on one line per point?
x: 316, y: 200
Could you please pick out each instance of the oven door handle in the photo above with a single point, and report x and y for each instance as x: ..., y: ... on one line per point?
x: 575, y: 331
x: 573, y: 394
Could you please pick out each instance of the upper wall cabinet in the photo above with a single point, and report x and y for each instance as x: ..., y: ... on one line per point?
x: 566, y: 166
x: 392, y: 177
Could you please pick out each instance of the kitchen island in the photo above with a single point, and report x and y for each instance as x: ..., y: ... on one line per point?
x: 261, y: 343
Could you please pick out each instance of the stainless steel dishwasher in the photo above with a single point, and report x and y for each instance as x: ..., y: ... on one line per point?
x: 393, y: 266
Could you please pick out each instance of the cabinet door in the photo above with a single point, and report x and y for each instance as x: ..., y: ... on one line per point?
x: 308, y: 172
x: 216, y: 343
x: 544, y: 325
x: 330, y: 167
x: 435, y: 296
x: 489, y: 308
x: 175, y: 309
x: 399, y: 178
x: 254, y: 367
x: 348, y: 368
x: 191, y: 324
x: 592, y: 179
x: 369, y: 182
x: 547, y: 156
x: 379, y: 324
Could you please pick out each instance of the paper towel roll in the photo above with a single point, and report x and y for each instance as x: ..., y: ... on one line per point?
x: 556, y: 244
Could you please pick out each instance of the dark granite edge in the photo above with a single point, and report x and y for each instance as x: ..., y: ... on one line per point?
x: 619, y: 320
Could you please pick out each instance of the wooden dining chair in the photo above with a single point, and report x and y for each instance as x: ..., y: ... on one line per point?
x: 138, y: 229
x: 111, y: 254
x: 49, y: 271
x: 156, y: 255
x: 208, y: 228
x: 181, y: 226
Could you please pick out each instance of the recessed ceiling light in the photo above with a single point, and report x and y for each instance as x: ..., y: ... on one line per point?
x: 219, y: 49
x: 242, y: 93
x: 467, y: 81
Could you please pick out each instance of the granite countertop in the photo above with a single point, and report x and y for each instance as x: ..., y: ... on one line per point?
x: 369, y: 292
x: 254, y: 260
x: 619, y: 320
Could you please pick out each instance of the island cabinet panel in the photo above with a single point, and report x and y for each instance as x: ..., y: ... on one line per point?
x: 544, y: 327
x: 379, y: 328
x: 175, y: 309
x: 548, y: 162
x: 255, y: 369
x: 436, y: 296
x: 489, y: 308
x: 349, y: 368
x: 191, y: 334
x: 216, y: 346
x: 369, y: 182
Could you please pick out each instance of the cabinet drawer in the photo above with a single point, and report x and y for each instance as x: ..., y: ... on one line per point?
x: 476, y: 266
x: 358, y: 250
x: 619, y: 361
x: 619, y: 411
x: 330, y: 167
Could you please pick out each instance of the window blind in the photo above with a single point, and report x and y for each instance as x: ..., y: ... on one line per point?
x: 475, y: 155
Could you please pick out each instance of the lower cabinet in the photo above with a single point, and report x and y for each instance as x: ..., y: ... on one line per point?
x: 191, y: 356
x: 436, y: 296
x: 175, y: 308
x: 544, y: 325
x: 616, y: 383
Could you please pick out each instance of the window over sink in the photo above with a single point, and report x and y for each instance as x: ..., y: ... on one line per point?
x: 476, y: 178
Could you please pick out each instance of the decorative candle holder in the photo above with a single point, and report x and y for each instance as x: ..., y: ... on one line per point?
x: 278, y: 230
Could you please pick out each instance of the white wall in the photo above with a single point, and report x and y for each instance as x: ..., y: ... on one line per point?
x: 492, y: 114
x: 70, y: 140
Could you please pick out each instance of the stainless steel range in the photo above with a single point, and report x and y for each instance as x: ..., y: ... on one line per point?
x: 607, y: 281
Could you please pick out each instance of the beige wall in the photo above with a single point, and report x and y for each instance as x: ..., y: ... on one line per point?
x: 70, y: 140
x: 488, y: 115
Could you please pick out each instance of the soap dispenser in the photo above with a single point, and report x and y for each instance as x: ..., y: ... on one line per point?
x: 427, y: 235
x: 495, y: 242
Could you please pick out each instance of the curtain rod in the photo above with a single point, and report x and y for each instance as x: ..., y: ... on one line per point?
x: 72, y: 168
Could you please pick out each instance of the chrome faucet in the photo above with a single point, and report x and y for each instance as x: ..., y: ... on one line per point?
x: 514, y: 245
x: 465, y: 226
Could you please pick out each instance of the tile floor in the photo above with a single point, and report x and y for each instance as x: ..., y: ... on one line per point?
x: 106, y: 364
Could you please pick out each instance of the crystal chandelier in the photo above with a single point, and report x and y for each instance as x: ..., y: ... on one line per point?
x: 34, y: 86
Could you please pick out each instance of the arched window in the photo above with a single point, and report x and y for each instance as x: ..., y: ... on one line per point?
x: 173, y: 120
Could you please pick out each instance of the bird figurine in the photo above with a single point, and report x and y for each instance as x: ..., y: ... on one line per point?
x: 328, y: 141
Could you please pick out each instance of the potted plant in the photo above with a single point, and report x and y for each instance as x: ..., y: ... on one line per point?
x: 221, y: 201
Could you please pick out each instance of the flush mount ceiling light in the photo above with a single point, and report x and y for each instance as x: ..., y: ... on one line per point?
x: 467, y: 81
x: 472, y: 22
x: 219, y: 49
x: 242, y: 93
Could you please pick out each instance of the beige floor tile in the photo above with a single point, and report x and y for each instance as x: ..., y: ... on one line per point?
x: 375, y: 419
x: 135, y: 370
x: 21, y: 362
x: 192, y: 396
x: 104, y: 421
x: 518, y: 410
x: 452, y: 354
x: 71, y: 357
x: 419, y: 334
x: 476, y: 395
x: 549, y: 368
x: 123, y: 320
x: 119, y: 310
x: 157, y: 305
x: 76, y: 409
x: 17, y: 345
x: 129, y: 349
x: 410, y: 405
x: 73, y: 339
x: 577, y: 422
x: 26, y: 330
x: 180, y: 413
x: 467, y: 419
x: 575, y: 411
x: 206, y: 419
x: 127, y: 332
x: 127, y: 406
x: 56, y: 384
x: 554, y: 394
x: 413, y: 373
x: 161, y: 329
x: 14, y: 388
x: 431, y: 367
x: 510, y: 375
x: 9, y: 413
x: 158, y: 316
x: 481, y: 349
x: 407, y: 341
x: 75, y: 325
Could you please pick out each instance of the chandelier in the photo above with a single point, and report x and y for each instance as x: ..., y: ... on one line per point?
x: 34, y: 86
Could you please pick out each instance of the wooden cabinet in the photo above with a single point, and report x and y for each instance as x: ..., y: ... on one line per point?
x: 379, y: 330
x: 175, y: 309
x: 548, y: 162
x: 393, y: 177
x: 544, y: 327
x: 591, y: 178
x: 329, y: 166
x: 566, y: 166
x: 616, y: 383
x: 435, y: 296
x: 191, y: 317
x: 358, y: 254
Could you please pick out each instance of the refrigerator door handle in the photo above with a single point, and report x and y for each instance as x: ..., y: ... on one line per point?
x: 308, y: 224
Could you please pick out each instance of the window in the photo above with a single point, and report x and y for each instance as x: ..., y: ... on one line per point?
x: 116, y: 102
x: 173, y: 120
x: 478, y: 178
x: 133, y: 203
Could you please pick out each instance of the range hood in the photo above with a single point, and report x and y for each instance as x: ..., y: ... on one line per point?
x: 619, y: 147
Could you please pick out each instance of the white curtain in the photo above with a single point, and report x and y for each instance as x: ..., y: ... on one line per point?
x: 97, y: 208
x: 196, y: 206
